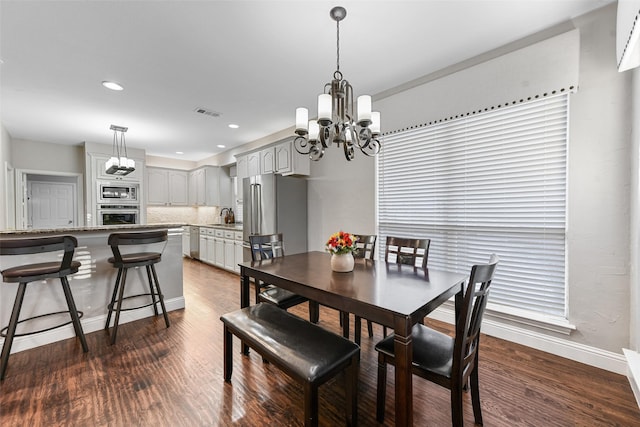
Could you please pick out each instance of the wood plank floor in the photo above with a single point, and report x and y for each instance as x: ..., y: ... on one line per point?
x: 173, y: 377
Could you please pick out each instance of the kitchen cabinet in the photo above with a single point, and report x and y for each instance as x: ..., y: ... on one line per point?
x: 211, y: 250
x: 253, y: 164
x: 167, y: 187
x: 267, y: 160
x: 238, y: 251
x: 204, y: 254
x: 229, y: 250
x: 209, y: 186
x: 186, y: 241
x: 219, y: 245
x: 289, y: 162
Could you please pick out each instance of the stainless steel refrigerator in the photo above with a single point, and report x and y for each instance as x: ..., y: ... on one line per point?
x: 275, y: 204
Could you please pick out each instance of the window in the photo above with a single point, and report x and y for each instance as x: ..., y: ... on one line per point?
x: 493, y: 182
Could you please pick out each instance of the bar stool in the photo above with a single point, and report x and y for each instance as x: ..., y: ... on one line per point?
x: 123, y: 262
x: 25, y: 274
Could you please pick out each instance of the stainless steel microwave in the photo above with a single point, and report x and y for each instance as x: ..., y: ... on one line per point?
x: 109, y: 192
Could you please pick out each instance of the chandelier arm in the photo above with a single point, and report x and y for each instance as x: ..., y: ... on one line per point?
x: 349, y: 152
x: 300, y: 143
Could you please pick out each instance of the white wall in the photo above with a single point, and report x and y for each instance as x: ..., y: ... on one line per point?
x: 45, y: 156
x: 5, y: 156
x: 634, y: 285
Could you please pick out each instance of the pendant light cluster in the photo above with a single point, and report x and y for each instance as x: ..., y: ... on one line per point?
x: 119, y: 163
x: 336, y: 121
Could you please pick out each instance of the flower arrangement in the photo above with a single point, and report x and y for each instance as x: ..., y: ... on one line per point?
x: 341, y: 243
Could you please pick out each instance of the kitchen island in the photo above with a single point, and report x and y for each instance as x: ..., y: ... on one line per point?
x: 93, y: 283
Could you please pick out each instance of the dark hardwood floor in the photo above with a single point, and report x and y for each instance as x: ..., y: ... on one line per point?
x: 173, y: 377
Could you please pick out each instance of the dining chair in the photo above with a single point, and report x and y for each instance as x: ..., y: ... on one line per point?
x: 402, y: 250
x: 446, y: 361
x: 268, y: 246
x: 365, y: 249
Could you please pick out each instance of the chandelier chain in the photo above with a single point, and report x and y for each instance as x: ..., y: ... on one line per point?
x: 337, y: 45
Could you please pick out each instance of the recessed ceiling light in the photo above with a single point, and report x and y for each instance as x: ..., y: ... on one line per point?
x: 112, y: 85
x: 221, y: 146
x: 179, y: 152
x: 233, y: 126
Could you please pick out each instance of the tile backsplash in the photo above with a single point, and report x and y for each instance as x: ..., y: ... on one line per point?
x: 186, y: 214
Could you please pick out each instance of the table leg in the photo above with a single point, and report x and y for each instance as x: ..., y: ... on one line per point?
x: 244, y: 302
x: 403, y: 348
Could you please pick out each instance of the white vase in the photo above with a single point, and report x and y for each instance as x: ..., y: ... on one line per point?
x: 342, y: 263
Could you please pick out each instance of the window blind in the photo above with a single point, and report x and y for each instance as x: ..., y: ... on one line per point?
x: 493, y: 182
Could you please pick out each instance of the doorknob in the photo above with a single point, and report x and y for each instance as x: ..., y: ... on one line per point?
x: 70, y: 221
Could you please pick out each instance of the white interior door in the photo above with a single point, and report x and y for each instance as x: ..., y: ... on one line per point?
x: 51, y: 204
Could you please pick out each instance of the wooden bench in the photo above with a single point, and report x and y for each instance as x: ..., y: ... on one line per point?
x: 304, y: 351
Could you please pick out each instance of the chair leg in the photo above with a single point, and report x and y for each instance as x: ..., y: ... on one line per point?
x: 11, y: 329
x: 344, y: 316
x: 113, y: 298
x: 370, y: 328
x: 153, y: 294
x: 314, y: 312
x: 228, y: 354
x: 382, y: 387
x: 475, y: 395
x: 116, y: 322
x: 351, y: 393
x: 310, y: 405
x: 160, y: 296
x: 358, y: 329
x: 456, y: 405
x: 384, y: 332
x: 73, y: 311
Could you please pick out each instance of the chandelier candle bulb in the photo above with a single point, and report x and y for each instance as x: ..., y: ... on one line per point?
x: 302, y: 119
x: 324, y: 109
x: 375, y: 123
x: 364, y: 108
x: 314, y: 130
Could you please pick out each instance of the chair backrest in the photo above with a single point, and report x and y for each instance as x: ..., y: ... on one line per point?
x: 467, y: 339
x: 366, y: 246
x: 407, y: 251
x: 40, y: 245
x: 266, y: 246
x: 142, y: 238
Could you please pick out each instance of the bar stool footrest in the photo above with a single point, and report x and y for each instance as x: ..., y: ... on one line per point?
x: 3, y: 331
x: 110, y: 306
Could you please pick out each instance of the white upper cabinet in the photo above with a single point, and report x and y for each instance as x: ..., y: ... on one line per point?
x: 166, y: 187
x: 267, y: 160
x: 209, y: 186
x: 253, y: 164
x: 289, y: 162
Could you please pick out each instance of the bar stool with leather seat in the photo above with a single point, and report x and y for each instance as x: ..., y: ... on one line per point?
x: 123, y: 262
x: 25, y: 274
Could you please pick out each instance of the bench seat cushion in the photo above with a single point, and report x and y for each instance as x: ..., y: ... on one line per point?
x: 302, y: 349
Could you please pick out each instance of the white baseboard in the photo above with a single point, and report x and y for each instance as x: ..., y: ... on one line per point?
x: 88, y: 325
x: 633, y: 372
x: 582, y: 353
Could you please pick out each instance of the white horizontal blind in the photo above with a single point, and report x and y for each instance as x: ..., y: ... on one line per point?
x: 493, y: 182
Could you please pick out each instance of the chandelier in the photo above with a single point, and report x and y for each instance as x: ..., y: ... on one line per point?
x: 336, y: 120
x: 119, y: 163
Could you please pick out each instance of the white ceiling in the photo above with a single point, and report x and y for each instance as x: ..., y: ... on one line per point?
x: 252, y: 61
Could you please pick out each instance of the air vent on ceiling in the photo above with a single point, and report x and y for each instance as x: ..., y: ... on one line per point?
x: 207, y: 112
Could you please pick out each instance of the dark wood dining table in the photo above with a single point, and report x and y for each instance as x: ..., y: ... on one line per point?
x: 393, y: 295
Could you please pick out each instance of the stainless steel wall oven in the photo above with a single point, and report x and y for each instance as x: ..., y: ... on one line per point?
x: 118, y: 214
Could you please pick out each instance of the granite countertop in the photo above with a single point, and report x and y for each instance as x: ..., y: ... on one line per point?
x: 71, y: 230
x: 235, y: 226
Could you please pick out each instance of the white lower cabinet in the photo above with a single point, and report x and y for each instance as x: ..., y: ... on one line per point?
x: 221, y: 247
